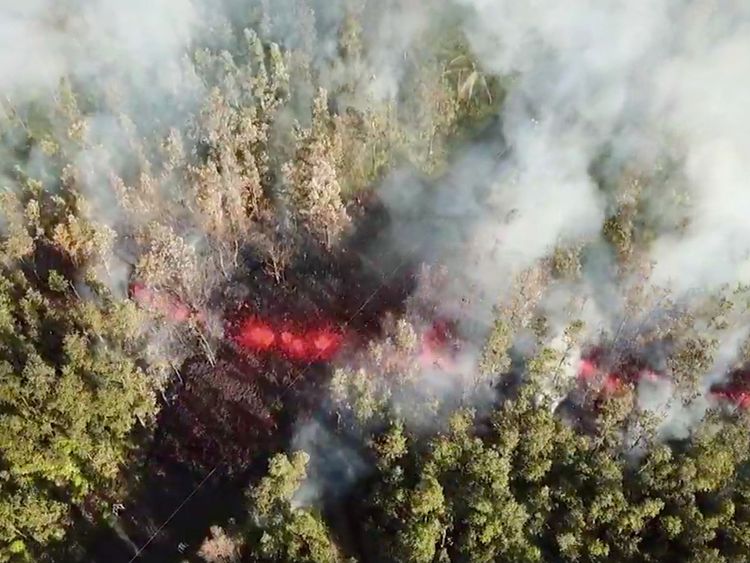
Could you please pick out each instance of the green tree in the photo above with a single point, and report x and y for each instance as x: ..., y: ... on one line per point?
x: 280, y: 531
x: 70, y: 396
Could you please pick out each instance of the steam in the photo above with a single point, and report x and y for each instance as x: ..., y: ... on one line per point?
x: 659, y: 86
x: 334, y: 465
x: 645, y: 82
x: 128, y: 59
x: 43, y: 41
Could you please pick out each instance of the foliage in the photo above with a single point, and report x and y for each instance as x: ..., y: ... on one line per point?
x: 285, y: 532
x: 70, y: 394
x: 261, y: 169
x: 533, y: 489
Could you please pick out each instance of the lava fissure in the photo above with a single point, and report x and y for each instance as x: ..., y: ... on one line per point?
x: 612, y: 373
x: 298, y: 343
x: 735, y: 390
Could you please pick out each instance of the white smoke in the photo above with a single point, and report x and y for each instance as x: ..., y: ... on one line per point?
x: 675, y: 416
x: 42, y: 41
x: 333, y: 467
x: 646, y: 82
x: 646, y: 78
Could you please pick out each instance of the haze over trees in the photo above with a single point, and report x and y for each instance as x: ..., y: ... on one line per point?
x: 353, y: 281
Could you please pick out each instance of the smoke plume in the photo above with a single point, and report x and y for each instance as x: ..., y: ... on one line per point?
x: 592, y: 89
x: 649, y: 82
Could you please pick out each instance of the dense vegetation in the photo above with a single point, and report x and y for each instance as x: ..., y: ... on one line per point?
x: 245, y: 192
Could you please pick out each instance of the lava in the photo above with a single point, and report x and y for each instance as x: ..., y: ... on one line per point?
x: 252, y: 333
x: 594, y: 365
x: 169, y: 306
x: 302, y: 344
x: 737, y: 396
x: 587, y: 369
x: 224, y: 408
x: 438, y: 345
x: 590, y: 368
x: 304, y: 341
x: 736, y: 390
x: 256, y: 335
x: 325, y: 342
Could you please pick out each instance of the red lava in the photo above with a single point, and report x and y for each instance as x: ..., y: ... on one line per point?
x: 590, y: 367
x: 587, y: 369
x: 739, y: 398
x: 171, y: 307
x: 296, y: 341
x: 735, y: 390
x: 438, y: 346
x: 256, y: 335
x: 326, y: 342
x: 304, y: 345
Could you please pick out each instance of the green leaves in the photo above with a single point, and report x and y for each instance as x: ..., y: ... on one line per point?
x: 527, y: 488
x: 281, y: 531
x: 424, y: 522
x: 66, y: 411
x: 495, y: 359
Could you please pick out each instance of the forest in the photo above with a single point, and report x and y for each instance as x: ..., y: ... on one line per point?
x: 374, y: 281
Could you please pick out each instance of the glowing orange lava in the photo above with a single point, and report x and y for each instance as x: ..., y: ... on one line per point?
x: 304, y: 345
x: 739, y: 398
x: 591, y: 371
x: 325, y: 342
x: 171, y: 307
x: 735, y: 389
x: 256, y: 335
x: 438, y: 346
x: 587, y: 369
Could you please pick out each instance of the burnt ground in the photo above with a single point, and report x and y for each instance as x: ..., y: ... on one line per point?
x: 220, y: 423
